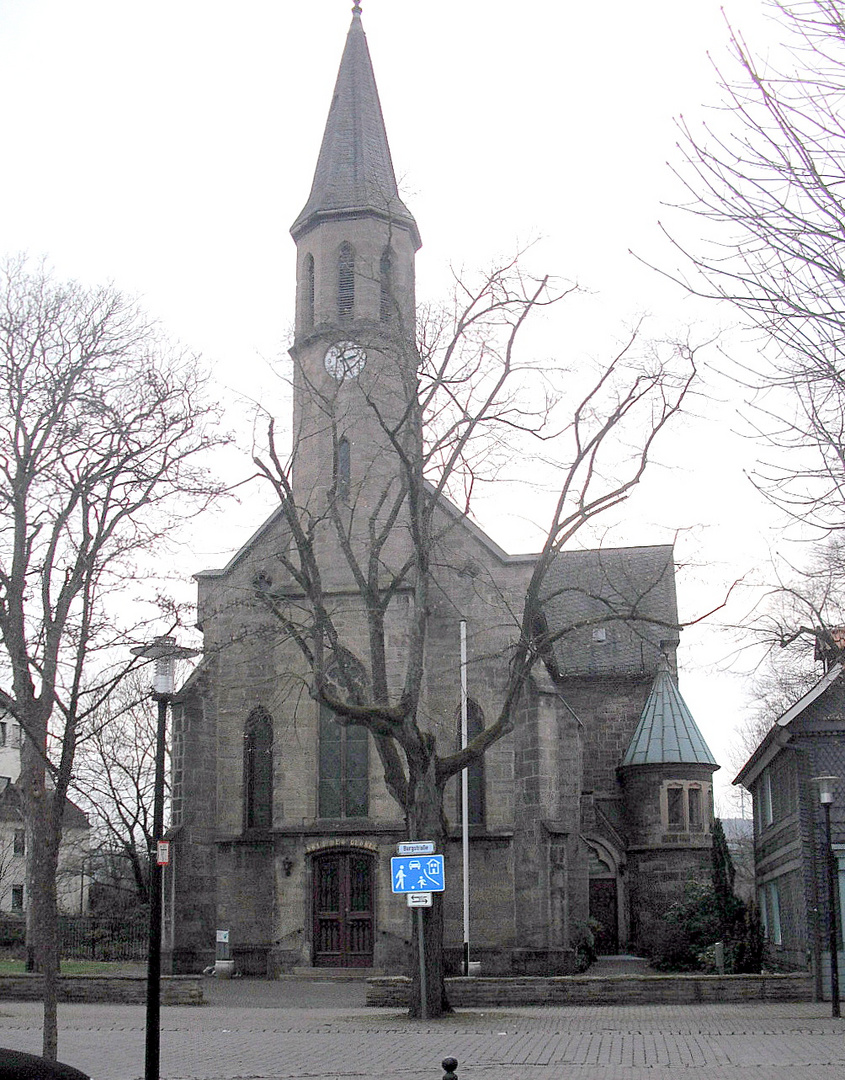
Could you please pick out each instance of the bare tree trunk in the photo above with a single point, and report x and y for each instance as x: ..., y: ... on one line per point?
x: 427, y: 821
x: 42, y: 913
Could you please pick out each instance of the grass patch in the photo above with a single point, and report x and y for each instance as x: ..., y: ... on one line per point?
x: 80, y: 967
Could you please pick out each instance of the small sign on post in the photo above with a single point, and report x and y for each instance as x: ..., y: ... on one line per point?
x: 416, y: 847
x: 419, y: 899
x: 222, y: 952
x: 163, y: 852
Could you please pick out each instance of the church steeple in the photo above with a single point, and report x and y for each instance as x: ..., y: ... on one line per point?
x: 354, y: 175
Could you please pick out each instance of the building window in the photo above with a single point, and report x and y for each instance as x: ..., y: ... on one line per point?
x: 694, y: 801
x: 475, y: 772
x: 768, y: 901
x: 386, y: 280
x: 764, y: 792
x: 344, y: 764
x: 258, y: 771
x: 17, y: 898
x: 308, y: 284
x: 344, y: 465
x: 345, y: 283
x: 675, y: 808
x: 3, y: 732
x: 687, y: 806
x: 19, y: 845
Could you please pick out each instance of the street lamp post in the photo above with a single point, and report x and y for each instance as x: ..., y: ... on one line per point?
x: 164, y: 652
x: 825, y: 784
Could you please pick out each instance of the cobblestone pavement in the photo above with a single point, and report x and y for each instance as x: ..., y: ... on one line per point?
x: 243, y: 1042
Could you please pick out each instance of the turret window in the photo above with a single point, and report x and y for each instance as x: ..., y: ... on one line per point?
x: 308, y: 282
x: 386, y: 279
x: 685, y: 806
x: 345, y: 283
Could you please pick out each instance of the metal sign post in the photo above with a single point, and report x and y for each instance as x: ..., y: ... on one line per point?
x: 423, y: 985
x: 417, y: 873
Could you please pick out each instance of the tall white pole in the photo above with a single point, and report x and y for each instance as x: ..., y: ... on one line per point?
x: 465, y: 794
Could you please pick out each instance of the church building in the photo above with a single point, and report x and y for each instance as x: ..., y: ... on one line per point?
x: 585, y: 820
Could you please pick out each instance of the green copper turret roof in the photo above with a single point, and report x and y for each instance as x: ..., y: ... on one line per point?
x: 354, y: 175
x: 667, y: 732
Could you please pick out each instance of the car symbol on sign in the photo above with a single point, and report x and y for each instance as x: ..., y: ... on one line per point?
x: 414, y: 865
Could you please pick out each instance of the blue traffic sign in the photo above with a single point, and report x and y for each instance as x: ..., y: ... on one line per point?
x: 417, y: 873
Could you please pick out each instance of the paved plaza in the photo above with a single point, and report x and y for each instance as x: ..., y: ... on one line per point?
x: 259, y: 1031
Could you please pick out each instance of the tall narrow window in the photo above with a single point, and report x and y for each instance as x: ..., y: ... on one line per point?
x: 386, y: 279
x: 344, y: 466
x: 675, y: 807
x: 344, y: 769
x: 695, y: 822
x: 258, y: 771
x: 308, y: 285
x: 475, y: 772
x: 345, y: 283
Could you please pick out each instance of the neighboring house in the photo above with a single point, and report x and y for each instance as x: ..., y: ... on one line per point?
x: 597, y: 807
x: 807, y: 740
x: 71, y: 883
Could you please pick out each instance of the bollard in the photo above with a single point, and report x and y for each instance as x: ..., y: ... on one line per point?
x: 450, y: 1065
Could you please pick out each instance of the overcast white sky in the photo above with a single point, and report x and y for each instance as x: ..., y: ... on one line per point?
x: 167, y: 147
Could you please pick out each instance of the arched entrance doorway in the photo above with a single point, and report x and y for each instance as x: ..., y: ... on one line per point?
x: 343, y: 909
x: 604, y: 901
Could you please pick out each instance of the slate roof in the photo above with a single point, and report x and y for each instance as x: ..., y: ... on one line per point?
x: 10, y: 809
x: 354, y: 174
x: 616, y: 606
x: 666, y: 732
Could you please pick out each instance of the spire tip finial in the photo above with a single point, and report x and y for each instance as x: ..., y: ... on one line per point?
x: 356, y: 8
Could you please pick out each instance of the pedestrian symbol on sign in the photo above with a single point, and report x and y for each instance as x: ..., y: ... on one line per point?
x: 416, y: 875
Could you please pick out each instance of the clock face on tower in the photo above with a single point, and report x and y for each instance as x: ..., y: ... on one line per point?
x: 344, y: 360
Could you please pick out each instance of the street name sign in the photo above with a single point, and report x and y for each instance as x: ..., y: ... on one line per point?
x: 416, y: 847
x: 417, y: 874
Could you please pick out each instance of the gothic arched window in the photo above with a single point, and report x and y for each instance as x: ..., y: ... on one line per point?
x: 345, y: 283
x: 308, y: 282
x: 386, y: 280
x: 344, y: 469
x: 258, y: 771
x: 475, y: 772
x: 344, y: 764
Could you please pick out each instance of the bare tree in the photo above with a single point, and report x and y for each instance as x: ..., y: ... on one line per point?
x: 765, y: 178
x: 114, y: 778
x: 101, y: 428
x: 445, y: 409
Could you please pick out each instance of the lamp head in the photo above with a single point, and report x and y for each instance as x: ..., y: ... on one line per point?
x: 825, y: 785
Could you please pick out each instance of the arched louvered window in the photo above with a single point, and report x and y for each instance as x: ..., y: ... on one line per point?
x: 345, y: 283
x: 308, y: 283
x: 344, y: 468
x: 386, y: 280
x: 258, y: 771
x: 475, y: 777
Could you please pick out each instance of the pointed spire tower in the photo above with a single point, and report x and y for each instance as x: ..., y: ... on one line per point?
x: 354, y: 176
x: 353, y: 346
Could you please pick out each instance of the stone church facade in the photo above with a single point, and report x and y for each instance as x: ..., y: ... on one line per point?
x: 590, y: 815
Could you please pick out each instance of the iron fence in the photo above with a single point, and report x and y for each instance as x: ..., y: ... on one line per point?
x: 85, y: 937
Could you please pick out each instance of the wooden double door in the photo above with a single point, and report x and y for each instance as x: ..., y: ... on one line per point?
x: 342, y: 905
